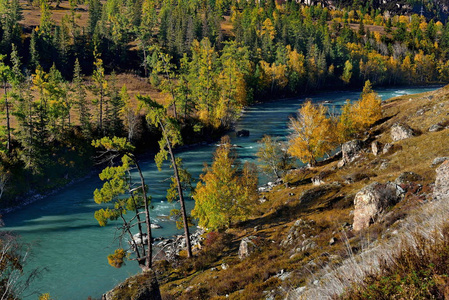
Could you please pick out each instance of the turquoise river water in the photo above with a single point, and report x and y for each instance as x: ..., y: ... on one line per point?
x: 67, y: 241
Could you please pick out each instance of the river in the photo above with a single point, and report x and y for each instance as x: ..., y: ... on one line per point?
x: 67, y: 241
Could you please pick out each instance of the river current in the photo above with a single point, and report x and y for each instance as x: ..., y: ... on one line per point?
x: 67, y: 241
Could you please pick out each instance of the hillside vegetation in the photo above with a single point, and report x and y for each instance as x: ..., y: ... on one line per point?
x: 304, y: 231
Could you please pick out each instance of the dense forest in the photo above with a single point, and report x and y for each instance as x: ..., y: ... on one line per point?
x: 209, y: 59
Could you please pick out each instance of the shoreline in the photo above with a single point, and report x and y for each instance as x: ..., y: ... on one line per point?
x: 31, y: 198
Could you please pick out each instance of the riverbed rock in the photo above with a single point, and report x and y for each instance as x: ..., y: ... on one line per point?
x: 401, y: 131
x: 247, y: 246
x: 155, y: 226
x: 351, y: 150
x: 243, y: 133
x: 441, y: 189
x: 142, y: 286
x: 371, y: 201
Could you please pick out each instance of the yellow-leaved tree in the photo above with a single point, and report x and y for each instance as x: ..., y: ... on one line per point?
x: 360, y: 115
x: 313, y: 133
x: 224, y: 194
x: 368, y: 109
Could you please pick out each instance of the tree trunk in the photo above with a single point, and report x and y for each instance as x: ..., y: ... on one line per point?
x: 149, y: 255
x: 8, y: 126
x: 181, y: 197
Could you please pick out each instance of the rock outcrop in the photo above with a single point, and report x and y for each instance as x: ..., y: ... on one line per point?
x: 350, y: 151
x: 441, y: 189
x: 142, y: 286
x: 247, y: 246
x: 371, y: 201
x: 401, y: 132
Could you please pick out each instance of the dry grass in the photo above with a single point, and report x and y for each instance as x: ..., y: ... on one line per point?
x: 31, y: 14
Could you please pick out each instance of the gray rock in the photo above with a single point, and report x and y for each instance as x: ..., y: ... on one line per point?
x: 441, y: 189
x: 155, y: 226
x: 384, y: 165
x: 387, y: 148
x: 247, y: 247
x: 375, y: 147
x: 142, y: 286
x: 401, y: 132
x: 371, y: 201
x: 351, y: 150
x: 436, y: 127
x: 439, y: 160
x: 317, y: 181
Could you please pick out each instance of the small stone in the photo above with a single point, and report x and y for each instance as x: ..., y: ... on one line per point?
x: 436, y: 127
x: 387, y: 148
x: 332, y: 241
x: 375, y: 147
x: 439, y: 160
x: 224, y: 266
x: 155, y: 226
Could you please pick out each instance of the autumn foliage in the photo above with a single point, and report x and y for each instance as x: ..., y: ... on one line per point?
x: 313, y: 134
x: 225, y: 193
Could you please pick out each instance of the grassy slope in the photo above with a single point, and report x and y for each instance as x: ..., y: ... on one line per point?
x: 329, y: 210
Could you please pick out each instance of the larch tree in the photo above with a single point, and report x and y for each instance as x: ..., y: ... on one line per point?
x: 273, y: 156
x: 130, y: 202
x: 368, y: 109
x: 312, y: 135
x: 224, y: 194
x: 171, y: 136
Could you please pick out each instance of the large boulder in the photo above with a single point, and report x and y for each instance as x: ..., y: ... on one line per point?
x: 351, y: 150
x: 247, y: 246
x: 142, y: 286
x: 371, y: 201
x: 441, y: 189
x: 401, y: 132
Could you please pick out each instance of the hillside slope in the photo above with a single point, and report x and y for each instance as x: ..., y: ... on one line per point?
x: 303, y: 229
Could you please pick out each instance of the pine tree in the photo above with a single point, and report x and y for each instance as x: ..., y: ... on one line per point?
x: 171, y: 136
x: 127, y: 197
